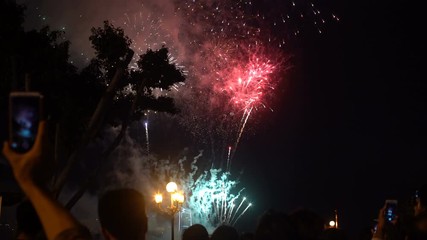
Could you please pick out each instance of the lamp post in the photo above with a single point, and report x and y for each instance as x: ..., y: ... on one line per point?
x: 334, y: 223
x: 176, y: 201
x: 336, y: 218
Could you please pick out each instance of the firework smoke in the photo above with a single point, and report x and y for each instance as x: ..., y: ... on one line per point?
x: 216, y: 40
x: 212, y: 195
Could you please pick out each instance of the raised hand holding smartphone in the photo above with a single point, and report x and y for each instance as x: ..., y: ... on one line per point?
x: 25, y: 111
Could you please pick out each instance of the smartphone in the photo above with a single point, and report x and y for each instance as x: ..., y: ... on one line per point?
x: 25, y: 111
x: 390, y: 211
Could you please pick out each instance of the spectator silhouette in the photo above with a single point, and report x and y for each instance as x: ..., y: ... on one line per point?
x: 307, y: 224
x: 122, y: 215
x: 274, y: 226
x: 225, y: 232
x: 365, y: 233
x: 420, y: 209
x: 420, y: 215
x: 195, y: 232
x: 6, y: 231
x: 247, y: 236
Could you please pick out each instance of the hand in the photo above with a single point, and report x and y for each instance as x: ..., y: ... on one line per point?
x: 381, y: 222
x: 56, y: 220
x: 23, y: 164
x: 381, y: 216
x: 418, y: 208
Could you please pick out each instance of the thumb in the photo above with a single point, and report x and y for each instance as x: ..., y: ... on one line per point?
x: 6, y: 149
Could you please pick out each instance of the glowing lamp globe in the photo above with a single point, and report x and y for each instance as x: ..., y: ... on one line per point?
x: 171, y: 187
x: 332, y: 223
x: 158, y: 198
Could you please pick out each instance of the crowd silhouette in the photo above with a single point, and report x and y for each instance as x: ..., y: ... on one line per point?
x: 122, y: 214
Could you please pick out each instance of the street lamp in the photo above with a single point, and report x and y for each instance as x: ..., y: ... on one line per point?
x: 171, y: 187
x: 177, y: 199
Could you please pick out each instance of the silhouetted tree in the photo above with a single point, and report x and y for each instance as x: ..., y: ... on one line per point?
x: 128, y: 94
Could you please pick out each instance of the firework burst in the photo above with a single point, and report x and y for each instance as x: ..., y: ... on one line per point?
x: 248, y: 83
x: 213, y: 199
x: 228, y: 78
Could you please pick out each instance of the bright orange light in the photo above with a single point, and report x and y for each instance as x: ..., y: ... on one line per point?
x: 180, y: 197
x: 158, y: 198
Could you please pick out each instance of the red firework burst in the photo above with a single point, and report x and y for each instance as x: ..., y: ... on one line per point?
x: 248, y: 83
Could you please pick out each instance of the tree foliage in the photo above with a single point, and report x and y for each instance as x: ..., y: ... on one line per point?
x: 111, y: 45
x: 154, y: 71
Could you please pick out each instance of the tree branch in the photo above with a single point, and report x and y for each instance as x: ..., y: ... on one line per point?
x: 125, y: 123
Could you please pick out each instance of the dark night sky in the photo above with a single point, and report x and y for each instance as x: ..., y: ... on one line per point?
x: 350, y: 131
x: 349, y: 127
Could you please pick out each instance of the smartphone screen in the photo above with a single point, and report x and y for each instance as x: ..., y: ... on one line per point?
x: 390, y: 211
x: 25, y: 109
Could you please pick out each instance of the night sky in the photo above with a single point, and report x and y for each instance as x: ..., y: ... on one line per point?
x: 349, y: 123
x: 350, y: 130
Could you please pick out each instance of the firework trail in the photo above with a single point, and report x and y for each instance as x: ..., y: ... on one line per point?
x: 245, y: 118
x: 146, y: 137
x: 237, y: 210
x: 228, y: 158
x: 241, y: 214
